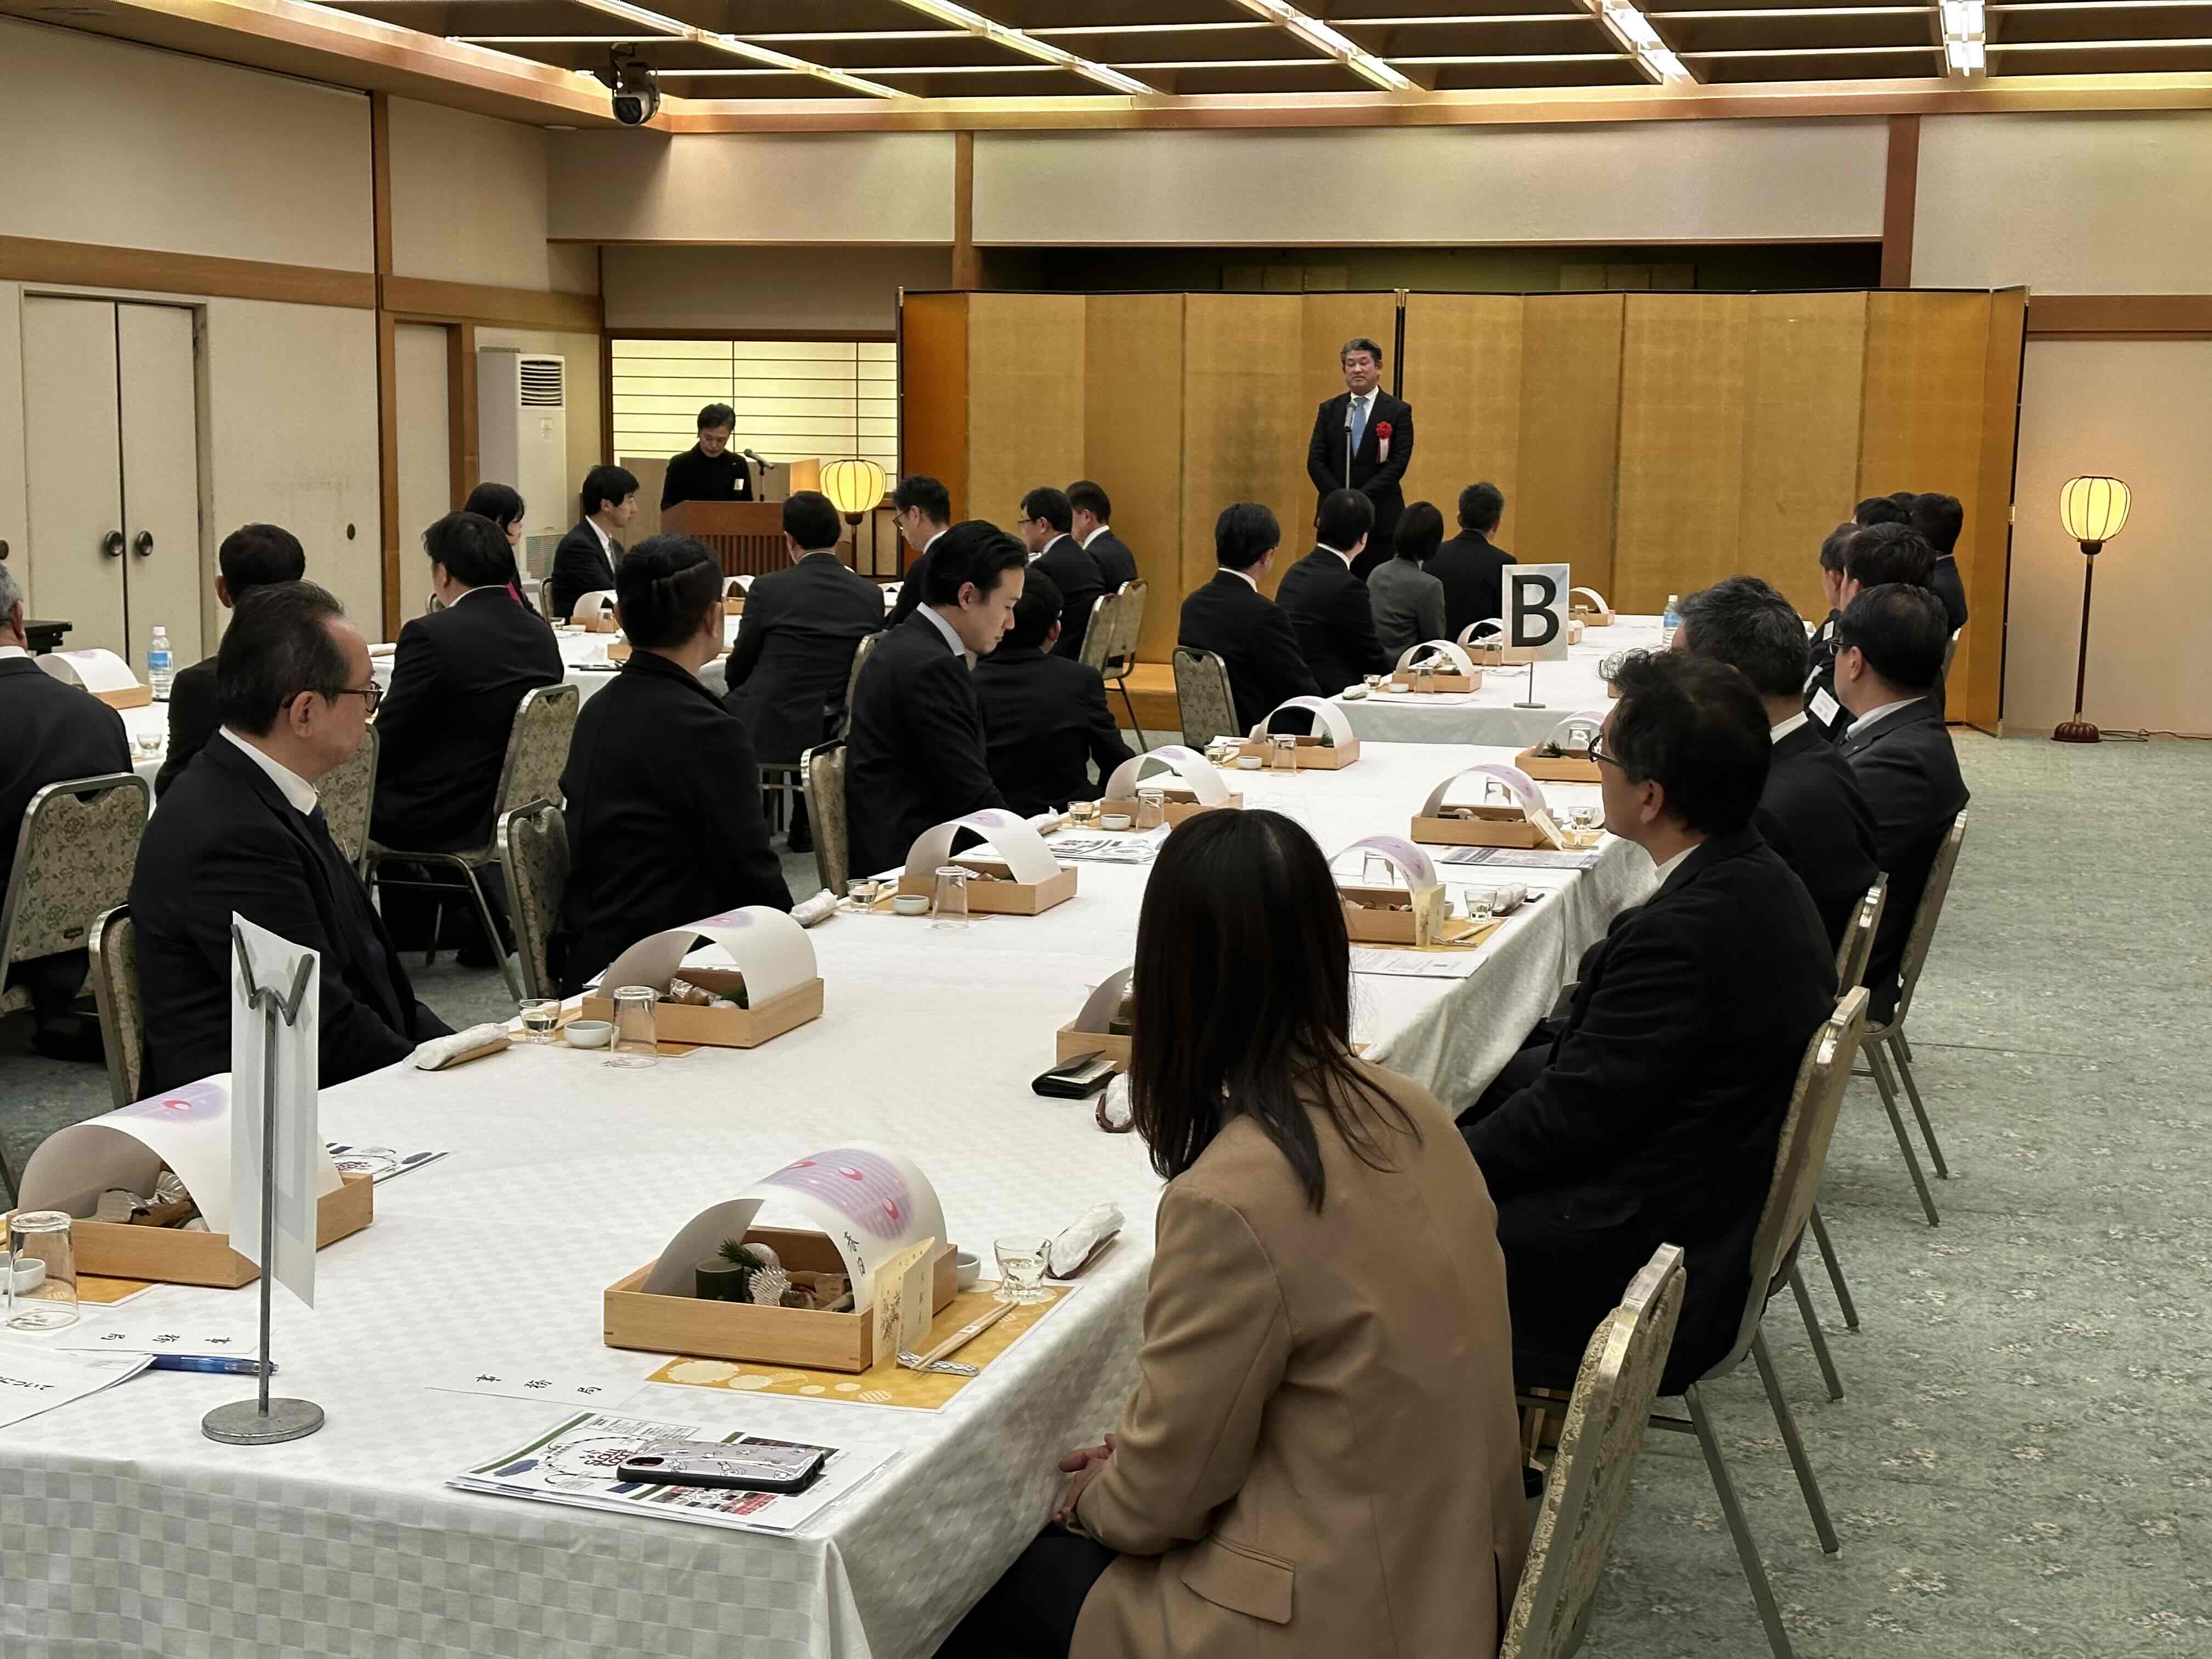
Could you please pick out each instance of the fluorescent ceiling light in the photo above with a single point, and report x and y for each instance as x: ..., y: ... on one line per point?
x: 1965, y: 57
x: 1634, y: 33
x: 676, y: 28
x: 1330, y: 43
x: 1962, y: 18
x: 1960, y: 25
x: 1006, y: 34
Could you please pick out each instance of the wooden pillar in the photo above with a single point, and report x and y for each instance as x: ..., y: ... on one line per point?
x: 464, y: 461
x: 967, y: 266
x: 388, y: 372
x: 1900, y: 195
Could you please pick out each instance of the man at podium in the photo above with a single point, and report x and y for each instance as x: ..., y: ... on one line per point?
x: 710, y: 471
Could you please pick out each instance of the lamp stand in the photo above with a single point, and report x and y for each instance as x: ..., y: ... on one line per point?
x: 2078, y: 730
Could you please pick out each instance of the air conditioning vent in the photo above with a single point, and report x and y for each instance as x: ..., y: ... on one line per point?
x: 541, y: 382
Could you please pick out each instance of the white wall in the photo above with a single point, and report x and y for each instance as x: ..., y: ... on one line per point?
x: 467, y: 200
x: 832, y: 289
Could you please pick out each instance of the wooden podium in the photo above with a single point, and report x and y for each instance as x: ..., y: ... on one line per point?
x: 747, y: 537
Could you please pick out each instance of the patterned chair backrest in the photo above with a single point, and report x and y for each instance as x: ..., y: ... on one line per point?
x: 114, y: 951
x: 533, y: 844
x: 73, y: 860
x: 1925, y: 918
x: 853, y: 678
x: 348, y: 793
x: 1586, y: 1492
x: 1204, y: 702
x: 1129, y: 622
x: 822, y: 778
x: 1857, y: 948
x: 1098, y: 638
x: 538, y: 747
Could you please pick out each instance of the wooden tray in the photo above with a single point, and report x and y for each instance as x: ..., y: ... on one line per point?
x: 1311, y: 752
x: 1437, y: 682
x: 1557, y: 769
x: 1494, y: 826
x: 719, y: 1028
x: 170, y: 1255
x: 1001, y: 897
x: 1384, y: 916
x: 1174, y: 809
x: 1069, y: 1043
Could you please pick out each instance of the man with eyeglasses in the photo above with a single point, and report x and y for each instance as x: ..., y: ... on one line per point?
x: 243, y: 830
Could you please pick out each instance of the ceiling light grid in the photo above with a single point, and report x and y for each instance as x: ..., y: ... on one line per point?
x: 1021, y: 40
x: 675, y: 28
x: 1963, y: 27
x: 1636, y: 35
x: 1330, y: 43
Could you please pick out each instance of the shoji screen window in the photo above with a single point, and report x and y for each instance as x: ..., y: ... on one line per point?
x: 796, y: 400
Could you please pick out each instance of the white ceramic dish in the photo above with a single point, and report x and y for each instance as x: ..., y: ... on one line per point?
x: 911, y: 905
x: 966, y: 1268
x: 1250, y: 763
x: 586, y: 1033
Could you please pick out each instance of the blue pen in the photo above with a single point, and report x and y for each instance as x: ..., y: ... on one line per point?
x: 220, y: 1365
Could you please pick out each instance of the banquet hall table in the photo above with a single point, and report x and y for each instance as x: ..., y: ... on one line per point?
x: 124, y: 1530
x: 1486, y: 714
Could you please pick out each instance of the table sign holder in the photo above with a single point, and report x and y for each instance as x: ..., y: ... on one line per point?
x: 1023, y: 879
x: 1413, y: 914
x: 1090, y: 1031
x: 1458, y: 672
x: 1196, y: 787
x: 1330, y: 747
x: 1511, y: 813
x: 1531, y: 699
x: 1572, y: 738
x: 264, y: 1421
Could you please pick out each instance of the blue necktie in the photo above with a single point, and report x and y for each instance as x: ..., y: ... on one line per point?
x: 1358, y: 421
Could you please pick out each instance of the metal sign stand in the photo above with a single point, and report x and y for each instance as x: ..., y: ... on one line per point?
x: 264, y: 1422
x: 1531, y: 702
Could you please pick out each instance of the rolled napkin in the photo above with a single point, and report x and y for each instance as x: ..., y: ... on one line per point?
x: 439, y: 1053
x: 816, y: 909
x: 1506, y: 900
x: 1072, y: 1251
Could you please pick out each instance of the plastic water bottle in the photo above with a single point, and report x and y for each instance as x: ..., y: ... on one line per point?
x: 158, y: 668
x: 1673, y: 618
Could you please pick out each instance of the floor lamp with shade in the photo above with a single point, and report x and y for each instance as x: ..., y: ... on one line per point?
x: 2094, y: 510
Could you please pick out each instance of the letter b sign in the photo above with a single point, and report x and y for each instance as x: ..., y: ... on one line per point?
x: 1536, y: 610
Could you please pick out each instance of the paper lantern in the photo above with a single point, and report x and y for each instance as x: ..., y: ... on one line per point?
x: 853, y: 487
x: 2093, y: 509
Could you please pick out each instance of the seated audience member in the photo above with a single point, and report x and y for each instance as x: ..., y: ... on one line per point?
x: 922, y: 509
x: 786, y: 673
x: 584, y: 561
x: 504, y: 507
x: 253, y: 556
x: 457, y: 677
x: 242, y: 830
x: 1882, y: 509
x: 1889, y: 657
x: 1044, y: 526
x: 1471, y: 569
x: 915, y: 755
x: 1279, y: 1482
x: 50, y: 732
x: 1939, y: 519
x: 1232, y: 618
x: 664, y: 800
x: 1648, y: 1111
x: 1093, y: 509
x: 1811, y: 812
x: 710, y: 471
x: 1327, y: 603
x: 1045, y: 719
x: 1885, y: 551
x: 1407, y: 601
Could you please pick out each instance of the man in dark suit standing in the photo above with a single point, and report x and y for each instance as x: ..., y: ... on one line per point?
x: 1375, y: 430
x: 665, y: 821
x: 1093, y: 508
x: 1889, y: 656
x: 916, y: 755
x: 710, y: 471
x: 458, y: 675
x: 1471, y: 569
x: 584, y: 561
x: 253, y: 556
x: 50, y: 732
x: 1851, y: 560
x: 1045, y: 525
x: 922, y: 509
x: 243, y: 831
x: 1811, y: 812
x: 1327, y: 605
x: 786, y: 673
x: 1648, y: 1111
x: 1045, y: 719
x: 1939, y: 519
x: 1232, y: 618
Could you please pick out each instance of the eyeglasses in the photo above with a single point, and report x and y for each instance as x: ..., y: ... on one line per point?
x: 372, y: 694
x: 1599, y: 753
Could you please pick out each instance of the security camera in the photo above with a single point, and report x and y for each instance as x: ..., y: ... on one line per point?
x: 635, y: 87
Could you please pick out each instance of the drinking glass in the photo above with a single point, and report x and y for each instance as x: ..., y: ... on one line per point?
x: 539, y: 1016
x: 1152, y: 807
x: 42, y: 1235
x: 1481, y: 905
x: 635, y: 1043
x: 1022, y: 1261
x: 1374, y: 870
x: 861, y: 890
x: 1082, y: 811
x: 948, y: 906
x: 1283, y: 754
x: 1424, y: 676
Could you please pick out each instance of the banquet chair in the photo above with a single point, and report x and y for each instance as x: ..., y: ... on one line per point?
x: 533, y: 854
x: 867, y: 644
x: 1852, y: 957
x: 1587, y: 1486
x: 1110, y: 644
x: 347, y: 793
x: 1204, y: 702
x: 114, y: 951
x: 536, y: 752
x: 824, y: 782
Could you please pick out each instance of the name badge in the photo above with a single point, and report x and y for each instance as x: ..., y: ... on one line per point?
x: 1826, y: 708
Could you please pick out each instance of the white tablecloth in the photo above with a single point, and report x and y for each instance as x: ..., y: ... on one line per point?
x: 124, y: 1530
x: 1486, y: 714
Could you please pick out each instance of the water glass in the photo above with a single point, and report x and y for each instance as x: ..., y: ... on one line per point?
x: 861, y: 890
x: 1023, y: 1258
x: 948, y: 906
x: 1283, y: 754
x: 1152, y: 807
x: 539, y: 1016
x: 1082, y: 811
x: 1424, y: 676
x: 635, y: 1043
x: 1481, y: 905
x: 1374, y: 870
x: 42, y: 1235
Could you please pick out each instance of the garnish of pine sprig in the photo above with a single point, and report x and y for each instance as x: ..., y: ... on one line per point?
x: 737, y: 1255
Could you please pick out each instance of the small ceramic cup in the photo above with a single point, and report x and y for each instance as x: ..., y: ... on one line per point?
x: 587, y: 1033
x: 911, y: 905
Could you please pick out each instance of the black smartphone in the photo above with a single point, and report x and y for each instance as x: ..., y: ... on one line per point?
x: 746, y: 1467
x: 1080, y: 1078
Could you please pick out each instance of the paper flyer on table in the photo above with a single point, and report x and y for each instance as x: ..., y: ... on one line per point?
x: 35, y: 1379
x: 1415, y: 964
x: 1520, y: 858
x: 1107, y: 849
x: 172, y: 1336
x: 266, y: 965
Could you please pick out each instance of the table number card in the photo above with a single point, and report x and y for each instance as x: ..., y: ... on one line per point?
x: 903, y: 1300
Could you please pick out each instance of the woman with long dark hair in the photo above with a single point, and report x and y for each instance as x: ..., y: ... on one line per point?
x: 503, y: 505
x: 1320, y: 1457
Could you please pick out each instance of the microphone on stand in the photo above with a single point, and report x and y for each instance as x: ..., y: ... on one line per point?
x: 754, y: 456
x: 1350, y: 404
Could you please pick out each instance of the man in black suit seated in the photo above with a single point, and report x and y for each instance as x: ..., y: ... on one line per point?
x: 1939, y: 519
x: 1473, y: 569
x: 584, y: 559
x: 1377, y: 429
x: 1851, y: 560
x: 1327, y: 605
x: 916, y: 755
x: 1045, y: 525
x: 786, y: 673
x: 242, y: 830
x: 1649, y: 1110
x: 50, y: 732
x: 1811, y: 812
x: 1045, y: 719
x: 1883, y: 509
x: 1889, y: 657
x: 253, y: 556
x: 710, y: 471
x: 1232, y: 618
x: 665, y: 821
x: 922, y: 509
x: 1093, y: 509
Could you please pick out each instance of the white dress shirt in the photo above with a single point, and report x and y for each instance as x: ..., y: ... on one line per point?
x: 607, y: 542
x: 1675, y: 863
x: 7, y: 651
x: 946, y: 628
x: 1339, y: 551
x: 1095, y: 535
x: 1244, y: 576
x: 296, y: 789
x: 1788, y: 727
x: 1882, y: 712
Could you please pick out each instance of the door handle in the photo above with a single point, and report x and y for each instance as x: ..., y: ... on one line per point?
x: 112, y: 544
x: 143, y: 543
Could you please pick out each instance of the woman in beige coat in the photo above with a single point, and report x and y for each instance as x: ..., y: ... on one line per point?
x: 1320, y: 1456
